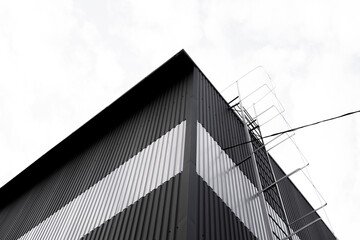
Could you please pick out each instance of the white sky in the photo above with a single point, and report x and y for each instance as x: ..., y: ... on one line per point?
x: 61, y: 62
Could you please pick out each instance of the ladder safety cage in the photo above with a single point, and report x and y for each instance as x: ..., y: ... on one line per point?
x: 254, y: 137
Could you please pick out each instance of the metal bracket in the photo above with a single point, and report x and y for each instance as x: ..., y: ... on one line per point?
x: 249, y: 157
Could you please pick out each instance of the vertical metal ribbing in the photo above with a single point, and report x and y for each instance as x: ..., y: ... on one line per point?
x: 93, y: 161
x: 257, y: 177
x: 92, y: 208
x: 281, y: 200
x: 275, y: 179
x: 217, y: 170
x: 187, y: 223
x: 190, y: 154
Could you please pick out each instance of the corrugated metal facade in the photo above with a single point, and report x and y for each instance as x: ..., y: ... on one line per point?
x: 225, y: 127
x: 150, y: 166
x: 151, y: 128
x: 297, y: 206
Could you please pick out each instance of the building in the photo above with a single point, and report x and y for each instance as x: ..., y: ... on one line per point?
x: 155, y: 164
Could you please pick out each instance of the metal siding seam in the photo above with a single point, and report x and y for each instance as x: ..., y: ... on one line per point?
x: 155, y: 172
x: 146, y: 120
x: 160, y: 212
x: 165, y: 168
x: 136, y: 142
x: 163, y: 233
x: 148, y: 209
x: 201, y: 193
x: 165, y: 213
x: 174, y: 108
x: 253, y: 205
x: 201, y: 212
x: 153, y: 216
x: 231, y: 184
x: 142, y: 127
x: 112, y: 179
x: 174, y: 208
x: 180, y: 152
x: 133, y: 224
x: 147, y: 174
x: 130, y: 221
x: 217, y: 218
x: 133, y: 210
x: 235, y: 194
x: 110, y: 230
x: 161, y: 175
x: 165, y: 113
x: 151, y: 229
x: 228, y: 224
x: 131, y: 138
x: 125, y: 222
x: 106, y: 232
x: 216, y: 205
x: 121, y: 225
x: 206, y: 174
x: 223, y: 220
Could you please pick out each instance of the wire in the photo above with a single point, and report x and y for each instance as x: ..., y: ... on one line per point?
x: 295, y: 129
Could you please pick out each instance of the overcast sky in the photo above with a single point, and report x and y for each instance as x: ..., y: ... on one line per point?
x: 61, y: 62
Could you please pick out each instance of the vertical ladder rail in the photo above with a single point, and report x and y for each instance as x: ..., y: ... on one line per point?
x: 257, y: 177
x: 277, y: 187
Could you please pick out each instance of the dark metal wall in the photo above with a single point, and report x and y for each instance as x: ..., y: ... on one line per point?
x: 224, y: 126
x: 153, y: 115
x: 152, y: 217
x: 216, y: 220
x: 160, y: 213
x: 141, y: 169
x: 297, y: 206
x: 267, y: 178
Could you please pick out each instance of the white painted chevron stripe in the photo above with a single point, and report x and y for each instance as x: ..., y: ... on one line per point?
x: 229, y: 183
x: 141, y: 174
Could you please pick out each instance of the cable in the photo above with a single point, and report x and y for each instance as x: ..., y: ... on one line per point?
x: 297, y: 128
x: 318, y: 194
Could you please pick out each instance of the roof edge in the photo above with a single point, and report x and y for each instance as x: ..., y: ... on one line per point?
x: 49, y: 162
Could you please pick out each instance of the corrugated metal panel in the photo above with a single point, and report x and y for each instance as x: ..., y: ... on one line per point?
x: 227, y: 129
x: 143, y: 173
x: 297, y: 206
x: 223, y: 125
x: 152, y: 217
x: 277, y: 225
x: 275, y: 210
x: 156, y: 117
x: 267, y: 178
x: 216, y: 219
x: 229, y: 183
